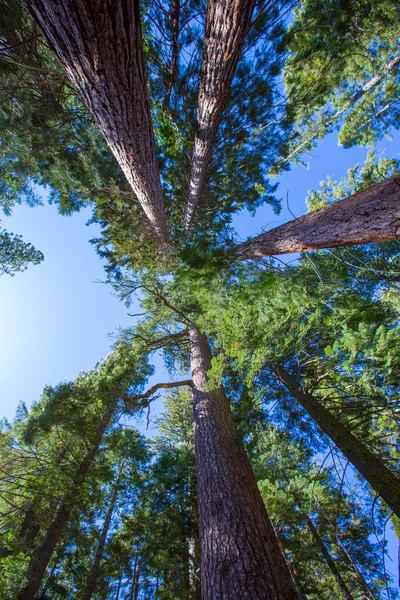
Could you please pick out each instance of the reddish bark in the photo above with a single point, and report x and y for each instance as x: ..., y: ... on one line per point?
x: 372, y: 215
x: 99, y: 44
x: 239, y: 551
x: 227, y: 23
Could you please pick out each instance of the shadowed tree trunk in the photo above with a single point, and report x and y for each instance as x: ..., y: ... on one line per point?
x: 383, y: 481
x: 175, y: 14
x: 99, y: 43
x: 227, y: 23
x: 91, y: 582
x: 42, y: 555
x: 240, y: 554
x: 372, y: 215
x: 330, y: 562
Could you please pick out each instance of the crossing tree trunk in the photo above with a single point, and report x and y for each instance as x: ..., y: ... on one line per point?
x: 91, y: 582
x: 372, y: 215
x: 99, y: 43
x: 383, y: 481
x: 42, y: 555
x: 239, y: 552
x: 227, y: 24
x: 344, y: 590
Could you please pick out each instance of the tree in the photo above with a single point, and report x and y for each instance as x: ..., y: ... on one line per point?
x: 100, y: 47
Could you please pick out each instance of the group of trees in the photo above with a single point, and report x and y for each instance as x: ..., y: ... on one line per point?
x: 167, y: 118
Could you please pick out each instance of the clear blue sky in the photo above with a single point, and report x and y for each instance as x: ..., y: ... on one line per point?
x: 55, y: 317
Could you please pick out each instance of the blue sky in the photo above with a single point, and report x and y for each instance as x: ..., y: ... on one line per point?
x: 56, y: 318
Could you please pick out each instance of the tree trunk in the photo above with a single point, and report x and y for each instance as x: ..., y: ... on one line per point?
x: 240, y: 554
x: 367, y: 590
x: 118, y: 588
x: 99, y: 44
x: 372, y: 215
x: 43, y: 553
x: 91, y: 582
x: 383, y: 481
x: 227, y: 24
x: 331, y: 563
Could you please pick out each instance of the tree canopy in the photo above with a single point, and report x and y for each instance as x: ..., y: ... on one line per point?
x: 275, y: 470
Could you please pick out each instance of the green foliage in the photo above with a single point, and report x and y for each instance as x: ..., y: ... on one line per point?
x: 338, y: 72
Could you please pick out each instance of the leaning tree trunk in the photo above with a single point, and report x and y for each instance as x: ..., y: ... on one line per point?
x: 99, y: 43
x: 91, y: 582
x: 383, y: 481
x: 239, y: 552
x: 372, y: 215
x: 44, y: 552
x: 344, y: 590
x: 227, y: 24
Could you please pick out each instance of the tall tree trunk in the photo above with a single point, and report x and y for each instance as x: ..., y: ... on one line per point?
x: 91, y: 582
x: 240, y: 554
x: 383, y: 481
x: 43, y: 553
x: 372, y: 215
x: 367, y: 590
x: 118, y: 588
x: 227, y: 23
x: 99, y: 43
x: 174, y: 26
x: 331, y: 563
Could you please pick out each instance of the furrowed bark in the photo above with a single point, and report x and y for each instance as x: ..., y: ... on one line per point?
x: 239, y: 552
x: 344, y: 590
x: 99, y: 44
x: 369, y: 216
x: 91, y: 582
x: 384, y: 482
x: 227, y: 23
x: 42, y: 555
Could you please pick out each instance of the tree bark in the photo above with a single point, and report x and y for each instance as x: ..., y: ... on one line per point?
x: 91, y: 582
x: 42, y: 555
x: 331, y: 563
x: 227, y: 23
x: 240, y: 554
x: 99, y: 44
x: 372, y: 215
x: 383, y: 481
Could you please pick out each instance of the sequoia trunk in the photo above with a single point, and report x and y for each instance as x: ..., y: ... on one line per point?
x: 330, y: 562
x: 99, y: 43
x: 227, y: 24
x: 372, y: 215
x: 239, y: 552
x: 44, y: 552
x: 91, y: 582
x: 383, y: 481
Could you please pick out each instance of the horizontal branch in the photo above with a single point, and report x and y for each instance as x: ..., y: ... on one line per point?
x: 143, y: 400
x: 369, y: 216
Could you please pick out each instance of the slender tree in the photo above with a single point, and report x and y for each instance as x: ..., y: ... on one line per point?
x: 381, y: 479
x: 227, y: 24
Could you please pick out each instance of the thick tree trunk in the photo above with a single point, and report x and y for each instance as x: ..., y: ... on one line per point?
x: 43, y: 553
x: 372, y: 215
x: 383, y: 481
x: 227, y: 23
x: 330, y: 562
x: 91, y: 582
x: 99, y: 44
x: 240, y: 554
